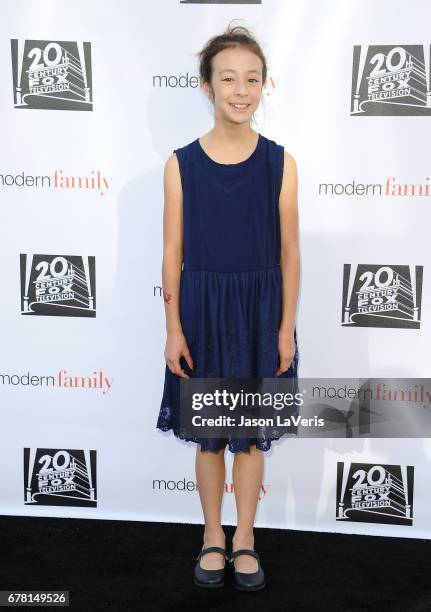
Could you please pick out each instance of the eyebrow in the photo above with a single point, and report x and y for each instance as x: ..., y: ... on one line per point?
x: 230, y: 70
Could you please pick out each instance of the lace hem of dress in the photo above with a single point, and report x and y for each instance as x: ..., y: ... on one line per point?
x: 263, y: 349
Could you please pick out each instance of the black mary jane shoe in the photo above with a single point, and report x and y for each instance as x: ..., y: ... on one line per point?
x: 248, y: 581
x: 209, y: 578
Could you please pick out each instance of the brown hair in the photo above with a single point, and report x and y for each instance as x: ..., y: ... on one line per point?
x: 231, y: 37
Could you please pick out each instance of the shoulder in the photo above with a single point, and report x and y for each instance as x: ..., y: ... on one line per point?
x: 175, y: 165
x: 290, y: 165
x: 172, y: 172
x: 179, y: 156
x: 288, y: 158
x: 283, y: 157
x: 183, y: 151
x: 290, y: 173
x: 279, y: 153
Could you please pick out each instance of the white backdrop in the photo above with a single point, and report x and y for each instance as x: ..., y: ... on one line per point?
x: 121, y: 92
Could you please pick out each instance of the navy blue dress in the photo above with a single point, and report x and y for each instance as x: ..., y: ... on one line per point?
x: 231, y: 282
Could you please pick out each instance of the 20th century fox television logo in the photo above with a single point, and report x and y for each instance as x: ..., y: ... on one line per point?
x: 375, y: 493
x: 60, y: 477
x: 58, y: 285
x: 382, y: 295
x: 52, y: 74
x: 391, y: 80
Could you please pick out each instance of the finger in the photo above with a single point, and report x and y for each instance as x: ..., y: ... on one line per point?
x: 286, y: 361
x: 182, y: 374
x: 173, y: 366
x: 283, y: 366
x: 178, y: 370
x: 189, y: 359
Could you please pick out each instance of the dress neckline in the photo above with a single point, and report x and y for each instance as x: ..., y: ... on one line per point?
x: 238, y: 164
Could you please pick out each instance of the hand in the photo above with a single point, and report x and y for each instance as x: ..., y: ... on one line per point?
x: 286, y: 350
x: 176, y: 347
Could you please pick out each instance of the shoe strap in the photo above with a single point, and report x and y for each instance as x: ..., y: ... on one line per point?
x: 243, y: 551
x: 204, y: 551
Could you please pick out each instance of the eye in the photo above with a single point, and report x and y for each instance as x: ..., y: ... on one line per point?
x: 230, y: 78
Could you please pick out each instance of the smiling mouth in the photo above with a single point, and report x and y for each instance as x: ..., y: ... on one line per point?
x: 239, y: 106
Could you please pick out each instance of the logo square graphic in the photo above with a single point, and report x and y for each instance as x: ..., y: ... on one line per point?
x: 52, y: 74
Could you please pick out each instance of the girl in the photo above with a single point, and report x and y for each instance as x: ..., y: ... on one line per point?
x: 231, y: 218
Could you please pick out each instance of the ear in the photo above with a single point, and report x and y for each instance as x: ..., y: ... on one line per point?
x: 204, y: 87
x: 207, y: 89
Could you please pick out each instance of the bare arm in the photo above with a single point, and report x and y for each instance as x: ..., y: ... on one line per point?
x: 172, y: 243
x: 176, y: 345
x: 289, y: 259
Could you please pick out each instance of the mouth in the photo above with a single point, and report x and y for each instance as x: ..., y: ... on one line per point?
x: 239, y: 107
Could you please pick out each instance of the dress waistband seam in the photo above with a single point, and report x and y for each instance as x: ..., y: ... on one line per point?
x: 231, y: 271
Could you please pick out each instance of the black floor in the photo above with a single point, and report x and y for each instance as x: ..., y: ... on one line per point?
x: 134, y: 566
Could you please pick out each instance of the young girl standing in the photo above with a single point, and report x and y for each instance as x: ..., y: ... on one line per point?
x: 231, y: 219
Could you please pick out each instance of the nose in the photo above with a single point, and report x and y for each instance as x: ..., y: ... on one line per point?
x: 240, y: 88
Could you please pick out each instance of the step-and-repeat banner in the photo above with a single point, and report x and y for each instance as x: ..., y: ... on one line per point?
x: 95, y: 97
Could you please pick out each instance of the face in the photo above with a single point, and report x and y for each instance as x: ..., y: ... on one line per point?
x: 236, y: 84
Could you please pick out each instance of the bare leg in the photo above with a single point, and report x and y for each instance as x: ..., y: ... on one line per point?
x: 210, y: 476
x: 247, y: 473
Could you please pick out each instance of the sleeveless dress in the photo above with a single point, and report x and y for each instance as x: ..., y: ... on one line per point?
x: 231, y: 281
